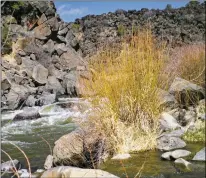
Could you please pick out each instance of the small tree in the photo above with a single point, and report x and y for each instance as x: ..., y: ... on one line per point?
x: 168, y: 7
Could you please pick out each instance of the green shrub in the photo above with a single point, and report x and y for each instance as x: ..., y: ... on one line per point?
x: 6, y: 41
x: 121, y: 30
x: 75, y: 26
x: 197, y: 134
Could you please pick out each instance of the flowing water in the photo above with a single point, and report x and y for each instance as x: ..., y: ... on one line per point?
x: 57, y: 121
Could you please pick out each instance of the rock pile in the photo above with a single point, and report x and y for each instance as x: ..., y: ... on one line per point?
x: 188, y: 99
x: 41, y: 66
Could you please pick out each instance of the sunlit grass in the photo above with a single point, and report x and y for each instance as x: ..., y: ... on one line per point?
x: 125, y: 85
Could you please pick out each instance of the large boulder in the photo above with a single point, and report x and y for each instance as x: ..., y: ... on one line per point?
x: 68, y: 150
x: 166, y: 99
x: 17, y: 95
x: 168, y: 122
x: 180, y: 153
x: 42, y: 32
x: 70, y: 59
x: 166, y: 143
x: 185, y: 92
x: 74, y: 172
x: 40, y: 74
x: 46, y: 98
x: 79, y: 148
x: 5, y: 83
x: 200, y: 156
x: 9, y: 166
x: 27, y: 115
x: 54, y: 85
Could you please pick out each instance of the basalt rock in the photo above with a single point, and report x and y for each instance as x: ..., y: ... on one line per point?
x: 27, y: 115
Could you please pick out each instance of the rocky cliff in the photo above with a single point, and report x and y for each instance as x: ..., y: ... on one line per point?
x: 48, y: 54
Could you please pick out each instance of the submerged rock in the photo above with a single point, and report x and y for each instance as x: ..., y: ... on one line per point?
x: 9, y: 166
x: 74, y: 172
x: 121, y: 156
x: 183, y: 164
x: 166, y: 143
x: 27, y: 115
x: 200, y: 156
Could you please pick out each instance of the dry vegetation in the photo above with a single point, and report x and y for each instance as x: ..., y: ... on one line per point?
x: 125, y: 83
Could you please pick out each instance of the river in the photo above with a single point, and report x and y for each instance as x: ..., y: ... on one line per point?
x: 30, y: 136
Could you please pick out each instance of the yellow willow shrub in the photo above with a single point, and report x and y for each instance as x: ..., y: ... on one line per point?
x: 128, y: 81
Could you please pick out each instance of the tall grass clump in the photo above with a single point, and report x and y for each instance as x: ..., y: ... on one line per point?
x: 124, y: 84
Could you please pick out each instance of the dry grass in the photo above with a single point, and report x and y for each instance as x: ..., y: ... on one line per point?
x: 125, y: 85
x: 188, y: 62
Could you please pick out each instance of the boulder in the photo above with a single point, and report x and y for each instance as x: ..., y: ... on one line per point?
x: 174, y: 133
x: 9, y: 166
x: 49, y: 46
x: 60, y: 48
x: 70, y: 59
x: 5, y: 84
x: 168, y: 122
x: 180, y: 153
x: 18, y: 79
x: 200, y: 156
x: 25, y: 115
x: 28, y: 65
x: 30, y: 101
x: 166, y: 155
x: 182, y: 164
x: 40, y: 74
x: 42, y: 7
x: 33, y: 57
x: 68, y: 150
x: 49, y: 162
x: 53, y: 71
x: 52, y: 23
x: 63, y: 31
x: 166, y: 99
x: 185, y: 92
x: 16, y: 95
x: 74, y: 172
x: 166, y: 143
x: 42, y: 19
x: 70, y: 83
x: 54, y: 85
x: 80, y: 148
x: 45, y: 99
x: 42, y: 32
